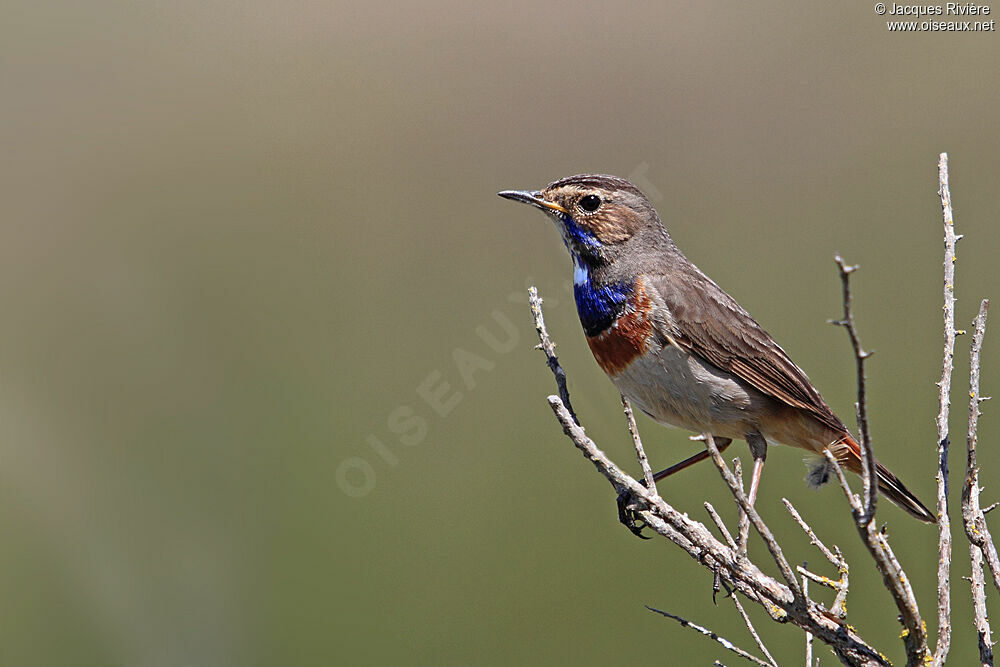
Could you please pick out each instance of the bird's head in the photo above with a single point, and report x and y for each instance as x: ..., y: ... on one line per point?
x: 596, y: 214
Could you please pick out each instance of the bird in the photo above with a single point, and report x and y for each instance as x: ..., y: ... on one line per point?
x: 681, y: 349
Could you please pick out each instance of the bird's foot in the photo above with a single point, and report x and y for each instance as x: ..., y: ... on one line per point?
x: 718, y: 583
x: 628, y: 513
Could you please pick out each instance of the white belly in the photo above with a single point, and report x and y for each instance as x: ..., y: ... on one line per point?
x: 678, y: 389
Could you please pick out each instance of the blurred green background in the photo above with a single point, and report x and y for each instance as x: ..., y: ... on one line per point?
x: 241, y: 239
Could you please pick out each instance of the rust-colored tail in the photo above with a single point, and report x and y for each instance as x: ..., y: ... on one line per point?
x: 888, y: 483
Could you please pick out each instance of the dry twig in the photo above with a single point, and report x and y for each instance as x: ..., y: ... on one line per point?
x: 546, y: 345
x: 717, y: 520
x: 640, y: 452
x: 944, y: 402
x: 744, y: 504
x: 708, y: 633
x: 839, y: 606
x: 981, y: 546
x: 809, y: 637
x: 753, y: 631
x: 868, y: 478
x: 895, y: 579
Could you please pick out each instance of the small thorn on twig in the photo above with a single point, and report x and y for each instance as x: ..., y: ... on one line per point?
x: 990, y: 508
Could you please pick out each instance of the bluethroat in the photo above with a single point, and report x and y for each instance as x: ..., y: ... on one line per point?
x: 679, y: 347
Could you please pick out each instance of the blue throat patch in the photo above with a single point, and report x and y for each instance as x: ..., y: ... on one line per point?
x: 599, y: 307
x: 578, y: 234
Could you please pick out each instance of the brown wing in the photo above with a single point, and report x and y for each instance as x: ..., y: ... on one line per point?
x: 703, y: 320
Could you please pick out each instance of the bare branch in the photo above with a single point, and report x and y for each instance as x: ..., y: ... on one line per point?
x: 981, y: 546
x: 982, y: 621
x: 893, y: 577
x: 834, y: 560
x: 753, y: 631
x: 708, y: 633
x: 546, y: 345
x: 809, y: 637
x: 647, y: 472
x: 852, y: 498
x: 818, y: 578
x: 868, y: 478
x: 717, y: 520
x: 944, y: 401
x: 839, y: 606
x: 744, y: 503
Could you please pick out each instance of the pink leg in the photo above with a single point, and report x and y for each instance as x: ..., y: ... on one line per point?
x: 721, y: 443
x: 758, y: 467
x: 758, y: 450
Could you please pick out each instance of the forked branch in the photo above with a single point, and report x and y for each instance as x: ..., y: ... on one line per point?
x: 893, y: 576
x: 861, y: 405
x: 782, y: 602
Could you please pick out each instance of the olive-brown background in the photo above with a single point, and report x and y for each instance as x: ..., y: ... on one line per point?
x: 238, y: 236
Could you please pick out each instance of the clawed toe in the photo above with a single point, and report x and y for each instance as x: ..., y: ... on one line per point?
x: 628, y: 515
x: 717, y: 585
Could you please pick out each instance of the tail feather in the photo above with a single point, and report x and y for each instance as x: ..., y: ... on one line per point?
x: 888, y: 484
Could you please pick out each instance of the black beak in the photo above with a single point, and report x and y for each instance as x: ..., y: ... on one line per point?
x: 533, y: 198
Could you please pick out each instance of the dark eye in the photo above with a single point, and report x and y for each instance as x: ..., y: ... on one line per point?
x: 590, y: 203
